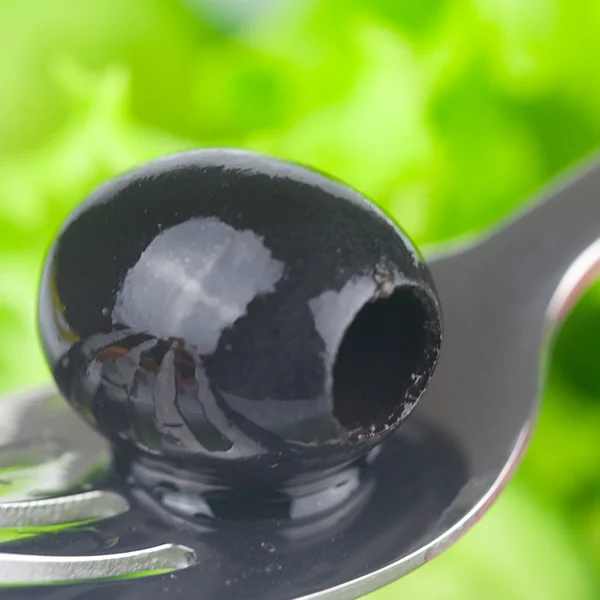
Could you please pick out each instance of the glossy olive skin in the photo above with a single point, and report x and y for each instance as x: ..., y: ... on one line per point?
x: 193, y: 311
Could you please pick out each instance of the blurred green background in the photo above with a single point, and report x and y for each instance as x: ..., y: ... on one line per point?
x: 450, y: 113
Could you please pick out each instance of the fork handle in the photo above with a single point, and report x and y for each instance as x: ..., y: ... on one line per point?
x: 545, y: 257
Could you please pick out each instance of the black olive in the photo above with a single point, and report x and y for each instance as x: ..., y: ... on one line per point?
x: 238, y: 316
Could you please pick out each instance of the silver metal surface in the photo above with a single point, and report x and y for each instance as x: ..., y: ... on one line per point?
x: 38, y: 426
x: 19, y: 569
x: 52, y: 451
x: 502, y: 297
x: 65, y: 509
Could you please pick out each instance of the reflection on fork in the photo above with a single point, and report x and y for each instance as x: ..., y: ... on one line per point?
x: 34, y: 471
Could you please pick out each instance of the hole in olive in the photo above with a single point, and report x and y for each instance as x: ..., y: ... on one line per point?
x: 383, y: 348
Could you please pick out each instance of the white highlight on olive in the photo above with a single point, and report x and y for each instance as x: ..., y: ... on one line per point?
x: 334, y: 310
x: 196, y: 279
